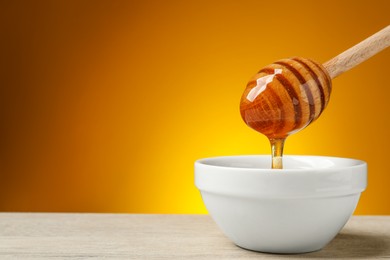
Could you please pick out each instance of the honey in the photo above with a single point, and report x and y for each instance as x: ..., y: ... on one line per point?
x: 283, y: 98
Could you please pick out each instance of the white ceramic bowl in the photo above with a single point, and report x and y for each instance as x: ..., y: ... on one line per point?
x: 295, y: 210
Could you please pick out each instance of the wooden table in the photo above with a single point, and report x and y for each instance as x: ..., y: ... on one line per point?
x: 133, y: 236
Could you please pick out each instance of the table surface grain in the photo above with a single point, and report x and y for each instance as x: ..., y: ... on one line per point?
x: 136, y: 236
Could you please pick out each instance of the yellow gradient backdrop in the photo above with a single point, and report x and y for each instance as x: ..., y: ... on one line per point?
x: 105, y: 105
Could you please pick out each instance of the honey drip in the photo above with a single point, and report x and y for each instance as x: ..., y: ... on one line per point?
x: 277, y: 152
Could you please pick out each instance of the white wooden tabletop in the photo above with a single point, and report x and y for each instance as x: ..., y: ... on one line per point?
x: 134, y: 236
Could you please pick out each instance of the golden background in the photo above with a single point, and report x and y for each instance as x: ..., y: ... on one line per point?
x: 105, y: 105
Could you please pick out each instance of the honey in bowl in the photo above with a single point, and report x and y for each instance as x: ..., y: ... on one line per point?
x: 283, y: 98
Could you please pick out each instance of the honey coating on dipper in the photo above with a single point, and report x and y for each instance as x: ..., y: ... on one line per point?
x: 283, y: 98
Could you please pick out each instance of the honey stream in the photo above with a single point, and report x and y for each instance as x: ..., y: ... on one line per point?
x: 277, y: 152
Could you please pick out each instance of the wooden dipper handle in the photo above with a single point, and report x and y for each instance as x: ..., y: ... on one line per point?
x: 358, y: 53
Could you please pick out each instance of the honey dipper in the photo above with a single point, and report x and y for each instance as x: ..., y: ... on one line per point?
x: 287, y: 95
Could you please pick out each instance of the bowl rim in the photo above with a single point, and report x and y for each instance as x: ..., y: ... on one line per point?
x: 359, y: 163
x: 283, y: 183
